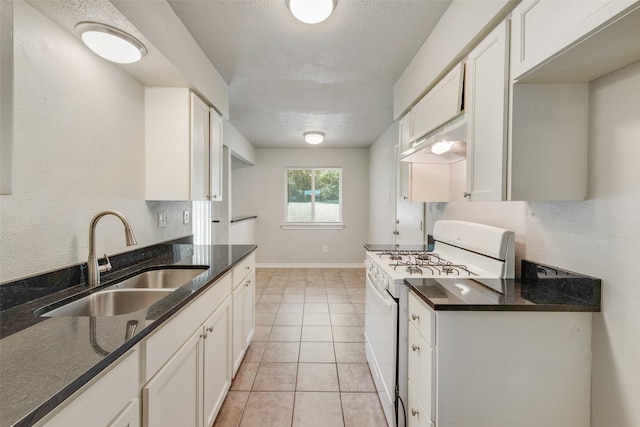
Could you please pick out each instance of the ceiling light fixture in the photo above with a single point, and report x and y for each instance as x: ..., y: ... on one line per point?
x: 313, y: 138
x: 111, y: 43
x: 311, y: 11
x: 441, y: 147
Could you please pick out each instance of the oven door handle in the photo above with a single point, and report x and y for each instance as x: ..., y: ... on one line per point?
x: 386, y: 300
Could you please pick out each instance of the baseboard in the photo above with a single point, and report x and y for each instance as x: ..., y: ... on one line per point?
x: 310, y: 265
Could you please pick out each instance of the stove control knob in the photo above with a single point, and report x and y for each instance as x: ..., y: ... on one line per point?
x: 373, y: 271
x: 384, y: 283
x: 367, y: 263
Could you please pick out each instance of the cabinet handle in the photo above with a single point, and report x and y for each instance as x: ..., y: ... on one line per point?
x: 204, y: 335
x: 414, y: 317
x: 248, y: 283
x: 247, y: 268
x: 415, y: 412
x: 210, y: 329
x: 405, y: 197
x: 465, y: 194
x: 415, y: 347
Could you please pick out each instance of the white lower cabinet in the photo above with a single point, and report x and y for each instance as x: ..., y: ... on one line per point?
x: 181, y: 373
x: 244, y: 309
x: 249, y: 319
x: 238, y: 338
x: 190, y: 388
x: 216, y: 357
x: 110, y: 400
x: 498, y: 368
x: 171, y: 397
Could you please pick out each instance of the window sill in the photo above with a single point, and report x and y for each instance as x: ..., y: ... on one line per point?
x: 312, y: 226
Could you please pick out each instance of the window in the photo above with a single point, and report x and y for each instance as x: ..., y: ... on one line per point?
x: 313, y: 198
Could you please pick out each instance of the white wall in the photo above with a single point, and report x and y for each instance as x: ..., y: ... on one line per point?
x: 78, y: 149
x: 304, y: 247
x: 382, y: 190
x: 238, y: 144
x: 599, y: 237
x: 243, y: 182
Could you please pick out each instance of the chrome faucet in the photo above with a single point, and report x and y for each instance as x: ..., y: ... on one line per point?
x: 93, y: 268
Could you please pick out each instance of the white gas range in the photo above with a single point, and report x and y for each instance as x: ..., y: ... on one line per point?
x: 462, y: 250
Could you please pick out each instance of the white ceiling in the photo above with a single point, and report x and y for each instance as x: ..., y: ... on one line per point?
x: 286, y: 77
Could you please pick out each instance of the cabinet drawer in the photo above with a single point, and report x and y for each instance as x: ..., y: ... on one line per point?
x: 423, y: 318
x: 245, y: 267
x: 416, y: 415
x: 170, y: 337
x: 421, y: 370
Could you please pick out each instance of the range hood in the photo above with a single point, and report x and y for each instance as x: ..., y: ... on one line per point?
x: 425, y: 149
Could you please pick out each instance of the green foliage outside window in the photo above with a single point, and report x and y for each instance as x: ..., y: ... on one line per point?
x: 308, y: 190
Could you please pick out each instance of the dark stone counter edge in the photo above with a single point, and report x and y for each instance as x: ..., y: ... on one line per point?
x: 48, y: 406
x: 571, y: 292
x: 505, y: 307
x: 243, y: 218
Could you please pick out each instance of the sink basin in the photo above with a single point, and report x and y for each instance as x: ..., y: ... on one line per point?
x: 166, y: 278
x: 110, y: 303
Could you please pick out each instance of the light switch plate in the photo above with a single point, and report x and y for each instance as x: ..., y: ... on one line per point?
x: 162, y: 219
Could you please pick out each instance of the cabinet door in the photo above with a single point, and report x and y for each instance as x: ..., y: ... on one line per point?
x: 200, y: 151
x: 216, y: 361
x: 543, y: 28
x: 238, y: 344
x: 487, y: 89
x: 215, y: 144
x: 439, y: 105
x: 249, y: 323
x: 171, y: 397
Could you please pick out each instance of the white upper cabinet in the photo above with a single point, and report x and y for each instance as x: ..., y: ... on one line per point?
x: 487, y: 101
x: 215, y: 143
x: 544, y: 29
x: 200, y: 149
x: 182, y: 146
x: 438, y: 106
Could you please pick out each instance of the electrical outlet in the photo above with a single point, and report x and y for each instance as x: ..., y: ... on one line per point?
x: 325, y: 249
x: 185, y: 217
x: 162, y: 219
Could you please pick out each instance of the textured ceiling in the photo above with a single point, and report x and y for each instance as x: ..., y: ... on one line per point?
x: 286, y: 77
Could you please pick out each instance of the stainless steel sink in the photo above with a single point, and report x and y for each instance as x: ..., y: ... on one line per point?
x: 110, y: 302
x: 166, y: 278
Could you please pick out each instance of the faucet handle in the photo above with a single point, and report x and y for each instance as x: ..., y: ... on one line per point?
x: 105, y: 267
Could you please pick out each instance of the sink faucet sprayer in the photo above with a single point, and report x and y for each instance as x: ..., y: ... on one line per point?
x: 93, y: 269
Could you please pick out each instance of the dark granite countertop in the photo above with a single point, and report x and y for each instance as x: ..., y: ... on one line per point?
x: 45, y: 360
x: 541, y: 288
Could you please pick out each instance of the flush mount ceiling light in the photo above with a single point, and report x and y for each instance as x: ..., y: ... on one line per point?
x: 313, y: 137
x: 311, y: 11
x: 441, y: 147
x: 111, y: 43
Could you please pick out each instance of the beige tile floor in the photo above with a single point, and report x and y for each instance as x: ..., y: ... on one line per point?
x: 306, y: 365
